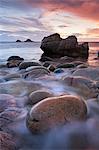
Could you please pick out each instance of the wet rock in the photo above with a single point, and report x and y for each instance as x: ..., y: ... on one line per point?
x: 66, y: 65
x: 36, y: 72
x: 12, y: 76
x: 14, y: 61
x: 39, y: 95
x: 55, y: 111
x: 6, y: 141
x: 45, y: 58
x: 91, y: 73
x: 84, y: 86
x: 14, y: 58
x: 55, y: 47
x: 82, y: 66
x: 25, y: 65
x: 19, y: 87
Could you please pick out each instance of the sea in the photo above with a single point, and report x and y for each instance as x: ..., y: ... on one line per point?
x: 31, y: 51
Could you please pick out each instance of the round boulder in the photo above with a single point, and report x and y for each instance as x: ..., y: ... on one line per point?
x: 39, y: 95
x: 91, y: 73
x: 55, y: 111
x: 84, y: 86
x: 25, y: 65
x: 14, y: 61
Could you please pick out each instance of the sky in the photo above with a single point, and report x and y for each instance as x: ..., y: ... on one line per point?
x: 35, y: 19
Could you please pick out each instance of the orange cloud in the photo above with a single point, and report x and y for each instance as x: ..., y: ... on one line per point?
x: 94, y: 31
x: 88, y: 9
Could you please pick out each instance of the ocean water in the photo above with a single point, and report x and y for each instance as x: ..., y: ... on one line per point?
x: 32, y: 51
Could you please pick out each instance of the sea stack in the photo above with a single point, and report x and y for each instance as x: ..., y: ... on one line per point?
x: 18, y: 40
x: 54, y: 46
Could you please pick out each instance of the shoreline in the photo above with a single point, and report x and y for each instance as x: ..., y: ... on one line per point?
x: 76, y: 79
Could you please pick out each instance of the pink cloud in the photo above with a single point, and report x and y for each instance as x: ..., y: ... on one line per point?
x: 88, y: 9
x: 94, y: 31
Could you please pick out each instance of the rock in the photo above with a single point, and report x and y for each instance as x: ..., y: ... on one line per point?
x: 36, y: 72
x: 55, y: 111
x: 91, y: 73
x: 82, y: 66
x: 18, y: 40
x: 25, y: 65
x: 51, y: 68
x: 66, y: 65
x: 6, y: 141
x: 85, y: 87
x: 39, y: 95
x: 19, y: 87
x: 14, y: 61
x: 12, y: 76
x: 14, y: 58
x: 45, y: 58
x: 28, y: 40
x: 55, y: 47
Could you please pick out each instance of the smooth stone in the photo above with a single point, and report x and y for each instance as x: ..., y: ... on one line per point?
x: 12, y: 76
x: 36, y: 72
x: 6, y: 101
x: 85, y: 86
x: 66, y: 65
x: 82, y: 66
x: 55, y: 111
x: 25, y: 65
x: 91, y: 73
x: 39, y: 95
x: 6, y: 141
x: 19, y: 87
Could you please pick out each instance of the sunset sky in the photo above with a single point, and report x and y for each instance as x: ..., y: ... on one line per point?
x: 22, y: 19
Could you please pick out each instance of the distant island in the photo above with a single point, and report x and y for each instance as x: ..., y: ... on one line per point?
x: 18, y: 41
x: 27, y: 40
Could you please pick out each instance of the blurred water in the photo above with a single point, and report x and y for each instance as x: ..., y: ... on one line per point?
x: 31, y: 50
x: 28, y: 51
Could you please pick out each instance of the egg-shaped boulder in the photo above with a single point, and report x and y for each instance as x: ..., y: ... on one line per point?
x: 55, y: 111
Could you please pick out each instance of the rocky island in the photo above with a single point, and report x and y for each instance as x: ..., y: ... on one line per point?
x: 28, y: 40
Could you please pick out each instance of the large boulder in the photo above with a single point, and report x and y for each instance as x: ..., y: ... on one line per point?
x: 55, y: 47
x: 55, y: 111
